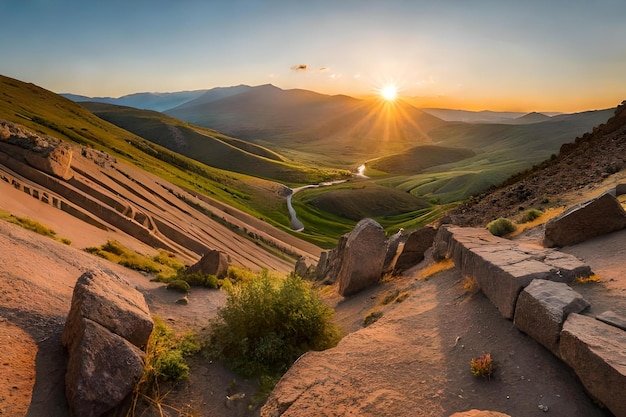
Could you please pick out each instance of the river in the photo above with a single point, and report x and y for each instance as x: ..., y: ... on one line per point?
x: 295, y: 223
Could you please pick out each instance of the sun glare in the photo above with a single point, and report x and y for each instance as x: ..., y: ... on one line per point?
x: 389, y: 92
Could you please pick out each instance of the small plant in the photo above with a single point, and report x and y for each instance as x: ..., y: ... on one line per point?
x: 501, y: 227
x: 470, y: 284
x: 165, y: 362
x: 591, y: 279
x: 372, y: 317
x: 114, y: 251
x: 482, y: 366
x: 66, y: 241
x: 179, y: 285
x: 530, y: 215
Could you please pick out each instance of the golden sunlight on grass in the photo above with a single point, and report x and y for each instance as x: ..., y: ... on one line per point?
x: 432, y: 269
x: 547, y: 215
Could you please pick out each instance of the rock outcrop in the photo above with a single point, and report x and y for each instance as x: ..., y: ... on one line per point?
x: 415, y: 247
x: 305, y: 269
x: 106, y: 331
x: 213, y: 262
x: 362, y: 258
x: 395, y: 246
x: 595, y: 351
x: 541, y: 309
x: 44, y: 153
x: 585, y: 221
x: 503, y: 268
x: 357, y: 260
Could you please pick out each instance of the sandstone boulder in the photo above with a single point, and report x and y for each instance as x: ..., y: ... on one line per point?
x: 109, y: 301
x: 108, y: 324
x: 213, y: 262
x: 414, y: 248
x: 541, y: 309
x: 102, y: 370
x: 304, y: 268
x: 361, y: 262
x: 585, y: 221
x: 395, y: 245
x: 45, y: 153
x: 597, y: 353
x: 330, y: 262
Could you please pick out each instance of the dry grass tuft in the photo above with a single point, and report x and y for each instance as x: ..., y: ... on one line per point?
x: 435, y: 268
x: 591, y: 279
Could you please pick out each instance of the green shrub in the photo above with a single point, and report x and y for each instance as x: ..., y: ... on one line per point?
x: 531, y: 215
x: 268, y: 323
x: 169, y: 259
x: 501, y: 227
x: 179, y: 285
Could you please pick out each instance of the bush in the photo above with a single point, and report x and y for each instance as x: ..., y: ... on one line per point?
x: 531, y: 215
x: 179, y: 285
x: 268, y: 323
x: 501, y: 227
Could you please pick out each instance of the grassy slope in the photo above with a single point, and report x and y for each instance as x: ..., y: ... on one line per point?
x: 501, y: 151
x: 211, y: 147
x: 47, y: 113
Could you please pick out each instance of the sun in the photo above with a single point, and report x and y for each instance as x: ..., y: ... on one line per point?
x: 389, y: 92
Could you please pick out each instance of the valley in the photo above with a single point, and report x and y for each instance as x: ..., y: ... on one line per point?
x: 97, y: 172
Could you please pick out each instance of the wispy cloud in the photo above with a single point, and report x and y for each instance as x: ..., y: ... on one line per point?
x: 301, y: 67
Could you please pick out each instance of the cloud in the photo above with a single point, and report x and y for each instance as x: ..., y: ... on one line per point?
x: 301, y: 67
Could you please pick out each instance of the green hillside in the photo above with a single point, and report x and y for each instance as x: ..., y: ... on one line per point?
x: 47, y: 113
x: 210, y: 147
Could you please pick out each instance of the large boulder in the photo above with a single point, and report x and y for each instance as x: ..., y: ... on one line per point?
x: 585, y: 221
x: 414, y: 248
x: 597, y: 353
x: 213, y: 262
x: 541, y: 309
x: 102, y: 370
x: 502, y: 268
x: 361, y: 261
x: 106, y: 329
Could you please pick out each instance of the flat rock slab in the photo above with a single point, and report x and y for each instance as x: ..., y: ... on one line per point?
x: 502, y: 268
x: 597, y: 353
x: 541, y: 309
x: 612, y: 318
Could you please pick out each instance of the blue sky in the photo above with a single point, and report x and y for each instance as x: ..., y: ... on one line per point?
x: 545, y: 55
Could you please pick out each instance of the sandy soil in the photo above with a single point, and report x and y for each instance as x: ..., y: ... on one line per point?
x: 38, y: 275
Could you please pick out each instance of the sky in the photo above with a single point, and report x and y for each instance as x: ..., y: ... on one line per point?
x: 507, y: 55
